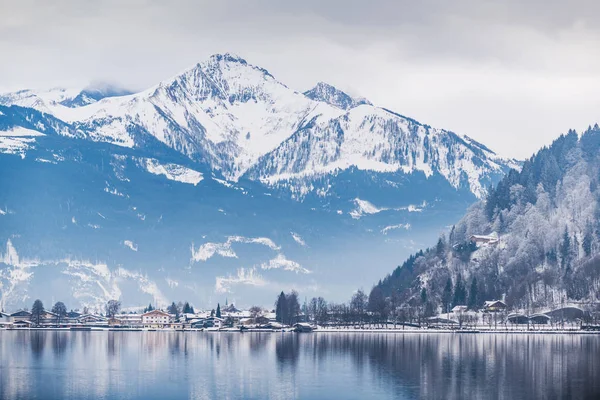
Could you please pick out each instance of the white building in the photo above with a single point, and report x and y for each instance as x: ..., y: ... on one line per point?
x: 129, y: 319
x: 485, y: 240
x: 156, y: 319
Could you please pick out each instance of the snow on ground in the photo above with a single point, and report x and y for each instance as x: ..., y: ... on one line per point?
x: 298, y: 239
x: 19, y: 131
x: 15, y: 145
x: 392, y: 227
x: 43, y: 160
x: 145, y: 284
x: 16, y: 274
x: 208, y: 250
x: 364, y: 207
x: 282, y: 262
x: 173, y: 172
x: 130, y: 244
x: 172, y: 283
x: 243, y: 276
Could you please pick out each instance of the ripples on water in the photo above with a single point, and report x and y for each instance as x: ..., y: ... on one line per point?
x: 199, y: 365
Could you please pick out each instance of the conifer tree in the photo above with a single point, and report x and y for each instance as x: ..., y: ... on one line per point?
x: 37, y: 310
x: 460, y: 292
x: 447, y: 295
x: 473, y: 295
x: 281, y: 308
x: 60, y: 310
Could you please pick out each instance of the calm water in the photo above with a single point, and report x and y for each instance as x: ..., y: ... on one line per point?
x: 198, y: 365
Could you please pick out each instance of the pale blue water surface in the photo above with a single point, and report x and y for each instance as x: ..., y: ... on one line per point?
x: 203, y: 365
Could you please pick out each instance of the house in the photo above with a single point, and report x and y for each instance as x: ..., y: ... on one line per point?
x: 133, y: 320
x: 541, y: 319
x: 210, y: 322
x: 91, y: 319
x: 485, y: 240
x: 568, y: 313
x: 459, y: 309
x: 156, y: 319
x: 517, y: 318
x: 22, y: 323
x: 21, y: 315
x: 5, y: 317
x: 72, y: 317
x: 494, y: 306
x: 49, y: 318
x: 5, y: 320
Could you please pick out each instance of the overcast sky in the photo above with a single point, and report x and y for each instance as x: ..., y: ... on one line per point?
x: 511, y: 74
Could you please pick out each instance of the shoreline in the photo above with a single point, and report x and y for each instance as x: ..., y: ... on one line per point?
x: 328, y: 330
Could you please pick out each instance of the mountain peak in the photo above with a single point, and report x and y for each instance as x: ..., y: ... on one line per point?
x: 331, y: 95
x: 227, y: 57
x: 94, y: 92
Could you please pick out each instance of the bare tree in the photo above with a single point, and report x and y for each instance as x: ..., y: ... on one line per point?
x: 358, y: 307
x: 60, y: 310
x: 112, y: 308
x: 255, y: 312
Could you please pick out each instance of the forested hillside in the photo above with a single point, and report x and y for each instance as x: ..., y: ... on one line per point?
x: 548, y: 253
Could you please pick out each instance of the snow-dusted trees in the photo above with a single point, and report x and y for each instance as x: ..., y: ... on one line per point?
x: 358, y: 306
x: 548, y: 221
x: 317, y: 310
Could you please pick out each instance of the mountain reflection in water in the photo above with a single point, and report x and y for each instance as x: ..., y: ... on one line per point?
x: 198, y: 365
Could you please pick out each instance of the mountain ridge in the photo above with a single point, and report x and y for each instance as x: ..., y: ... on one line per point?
x: 238, y: 118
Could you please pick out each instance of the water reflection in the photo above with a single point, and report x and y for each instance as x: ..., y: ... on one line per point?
x: 154, y: 365
x: 37, y: 340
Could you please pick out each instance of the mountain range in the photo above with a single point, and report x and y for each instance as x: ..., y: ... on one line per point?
x: 220, y: 181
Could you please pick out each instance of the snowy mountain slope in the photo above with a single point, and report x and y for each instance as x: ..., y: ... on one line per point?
x: 326, y: 93
x: 239, y: 119
x: 375, y: 139
x: 546, y: 219
x: 46, y: 100
x: 90, y: 221
x: 127, y: 195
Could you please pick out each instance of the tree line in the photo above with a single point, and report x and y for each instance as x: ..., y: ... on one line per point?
x: 111, y: 309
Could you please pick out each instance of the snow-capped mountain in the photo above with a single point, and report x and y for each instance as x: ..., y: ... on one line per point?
x: 239, y: 119
x: 219, y: 179
x: 46, y: 100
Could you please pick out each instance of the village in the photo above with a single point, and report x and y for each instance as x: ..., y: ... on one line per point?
x: 493, y: 317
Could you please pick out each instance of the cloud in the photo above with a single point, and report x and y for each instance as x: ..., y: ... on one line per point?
x: 243, y: 276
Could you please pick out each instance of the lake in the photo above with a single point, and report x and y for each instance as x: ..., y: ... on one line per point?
x: 204, y: 365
